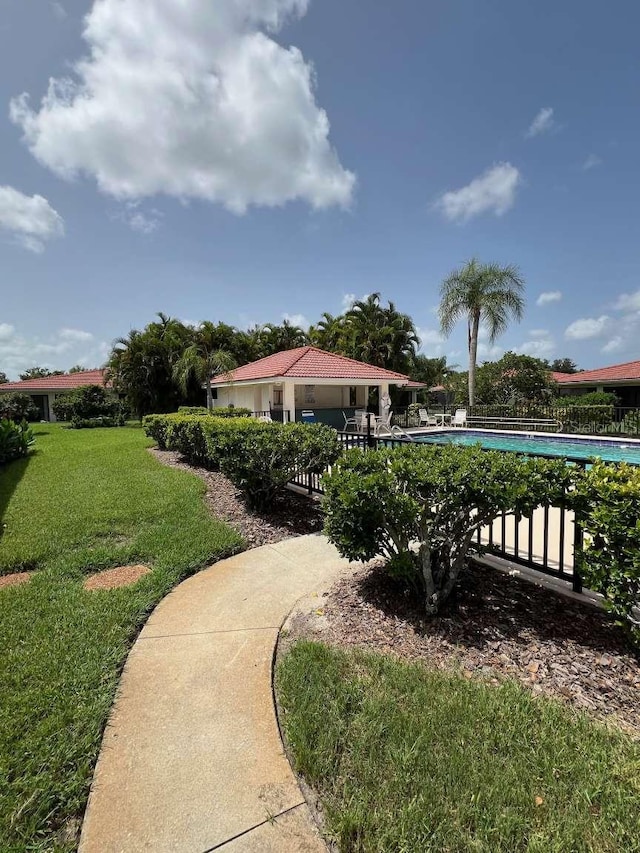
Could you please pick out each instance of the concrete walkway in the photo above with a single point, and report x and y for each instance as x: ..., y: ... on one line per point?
x: 192, y: 760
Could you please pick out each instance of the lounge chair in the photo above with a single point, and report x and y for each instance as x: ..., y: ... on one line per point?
x: 349, y: 422
x: 383, y: 423
x: 426, y: 419
x: 460, y: 418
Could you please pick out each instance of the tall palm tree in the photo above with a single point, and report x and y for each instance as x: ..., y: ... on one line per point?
x: 203, y: 359
x: 485, y: 294
x: 378, y: 335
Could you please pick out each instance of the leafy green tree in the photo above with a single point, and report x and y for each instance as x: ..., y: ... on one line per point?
x: 380, y: 335
x: 38, y: 373
x: 483, y: 294
x: 201, y: 360
x: 515, y: 378
x: 18, y: 407
x: 431, y: 371
x: 3, y: 378
x: 329, y: 333
x: 141, y: 366
x: 564, y: 365
x: 273, y: 338
x: 77, y: 368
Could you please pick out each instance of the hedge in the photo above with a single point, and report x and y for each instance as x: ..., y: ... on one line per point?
x: 259, y: 458
x: 15, y: 440
x: 222, y: 412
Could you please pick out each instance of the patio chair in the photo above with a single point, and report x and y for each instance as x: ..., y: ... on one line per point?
x: 460, y: 418
x: 383, y: 423
x: 349, y: 422
x: 266, y: 419
x: 426, y: 419
x: 362, y: 419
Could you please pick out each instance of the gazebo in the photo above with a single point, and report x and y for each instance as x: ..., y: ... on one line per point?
x: 287, y: 383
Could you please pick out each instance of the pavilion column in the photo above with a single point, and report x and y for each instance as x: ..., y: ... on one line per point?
x: 289, y: 399
x: 383, y: 389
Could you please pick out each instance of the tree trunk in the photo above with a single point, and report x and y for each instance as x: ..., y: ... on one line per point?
x: 474, y: 324
x: 209, y: 394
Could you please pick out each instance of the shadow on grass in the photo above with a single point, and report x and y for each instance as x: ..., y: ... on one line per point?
x: 10, y: 476
x: 489, y: 607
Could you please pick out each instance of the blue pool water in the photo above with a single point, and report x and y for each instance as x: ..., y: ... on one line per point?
x: 574, y: 448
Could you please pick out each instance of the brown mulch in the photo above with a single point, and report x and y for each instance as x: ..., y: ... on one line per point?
x: 15, y: 579
x: 496, y: 627
x: 293, y: 514
x: 117, y: 577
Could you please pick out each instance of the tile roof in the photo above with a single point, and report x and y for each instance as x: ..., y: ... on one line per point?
x: 310, y: 363
x: 63, y: 382
x: 626, y: 372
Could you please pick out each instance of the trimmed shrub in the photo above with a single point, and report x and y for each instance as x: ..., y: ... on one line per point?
x: 18, y: 407
x: 90, y: 405
x: 222, y: 412
x: 421, y: 507
x: 607, y: 504
x: 262, y: 461
x: 15, y: 440
x: 259, y: 458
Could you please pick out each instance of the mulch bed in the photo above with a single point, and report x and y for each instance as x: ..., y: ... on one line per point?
x: 116, y: 577
x: 293, y: 515
x: 496, y: 627
x: 15, y: 579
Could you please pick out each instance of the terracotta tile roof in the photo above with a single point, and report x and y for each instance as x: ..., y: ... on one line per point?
x: 310, y: 363
x: 413, y: 384
x: 560, y: 377
x: 64, y: 382
x: 626, y: 372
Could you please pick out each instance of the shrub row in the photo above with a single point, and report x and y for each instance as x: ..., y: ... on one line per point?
x: 259, y: 458
x: 222, y: 412
x: 15, y: 440
x: 18, y: 407
x: 420, y: 507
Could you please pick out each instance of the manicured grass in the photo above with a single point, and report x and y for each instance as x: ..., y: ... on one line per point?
x: 85, y: 500
x: 406, y: 759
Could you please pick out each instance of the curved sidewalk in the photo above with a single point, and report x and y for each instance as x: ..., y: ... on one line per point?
x: 191, y: 760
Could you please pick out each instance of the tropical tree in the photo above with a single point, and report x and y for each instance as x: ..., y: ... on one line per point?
x: 564, y: 365
x: 274, y: 338
x: 3, y: 378
x: 77, y: 368
x: 201, y: 360
x: 39, y: 373
x: 329, y: 333
x: 483, y: 294
x: 381, y: 336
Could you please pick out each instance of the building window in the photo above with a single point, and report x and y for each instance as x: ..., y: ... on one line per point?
x: 214, y: 393
x: 277, y: 397
x: 353, y: 400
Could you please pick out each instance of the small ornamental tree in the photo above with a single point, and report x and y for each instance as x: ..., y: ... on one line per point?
x: 89, y: 403
x: 421, y: 507
x: 607, y: 504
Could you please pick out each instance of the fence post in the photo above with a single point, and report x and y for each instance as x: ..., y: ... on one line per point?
x: 371, y: 442
x: 578, y: 541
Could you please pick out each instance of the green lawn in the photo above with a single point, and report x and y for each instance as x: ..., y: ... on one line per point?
x: 406, y: 759
x: 84, y: 500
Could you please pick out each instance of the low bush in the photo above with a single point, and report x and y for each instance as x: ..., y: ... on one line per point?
x: 15, y: 440
x: 607, y: 504
x: 259, y: 458
x: 89, y: 404
x: 421, y: 507
x: 18, y: 407
x: 222, y: 412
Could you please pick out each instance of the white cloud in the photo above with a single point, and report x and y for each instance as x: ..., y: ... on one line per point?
x: 297, y: 320
x: 489, y: 352
x: 591, y: 162
x: 30, y: 220
x: 58, y: 351
x: 58, y: 10
x: 347, y: 300
x: 542, y: 123
x: 591, y: 327
x: 492, y: 191
x: 144, y: 222
x: 628, y: 302
x: 614, y: 344
x: 432, y: 342
x: 192, y: 100
x: 75, y: 335
x: 540, y: 344
x: 548, y: 297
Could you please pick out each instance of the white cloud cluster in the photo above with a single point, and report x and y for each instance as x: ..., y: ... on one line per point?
x: 540, y: 344
x: 628, y: 302
x: 30, y: 220
x: 432, y: 342
x: 548, y: 297
x: 193, y: 100
x: 493, y: 191
x: 297, y: 320
x: 542, y: 123
x: 591, y: 162
x: 59, y: 351
x: 587, y: 328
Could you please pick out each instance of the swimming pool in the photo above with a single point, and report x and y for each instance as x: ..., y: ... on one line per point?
x: 537, y: 445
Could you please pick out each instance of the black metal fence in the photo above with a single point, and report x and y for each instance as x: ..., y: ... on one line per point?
x: 585, y: 420
x: 546, y: 541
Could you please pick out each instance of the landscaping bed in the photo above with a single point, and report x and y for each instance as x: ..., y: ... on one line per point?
x: 496, y: 627
x: 291, y: 515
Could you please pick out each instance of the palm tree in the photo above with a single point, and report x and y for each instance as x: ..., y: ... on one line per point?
x: 380, y: 336
x: 487, y: 294
x: 202, y: 359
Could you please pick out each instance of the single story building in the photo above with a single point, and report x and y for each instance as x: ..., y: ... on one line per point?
x: 44, y: 391
x: 621, y: 379
x: 306, y: 378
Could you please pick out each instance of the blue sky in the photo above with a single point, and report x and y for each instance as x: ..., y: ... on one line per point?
x: 243, y: 160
